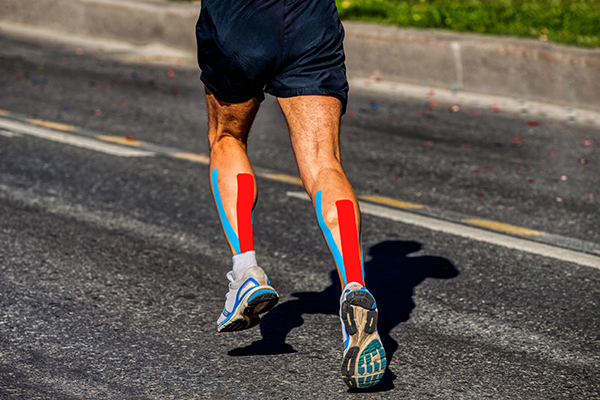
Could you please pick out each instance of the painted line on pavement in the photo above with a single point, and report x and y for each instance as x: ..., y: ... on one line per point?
x: 9, y: 134
x: 52, y: 125
x: 503, y: 227
x: 474, y: 233
x: 194, y: 157
x: 478, y: 328
x: 142, y: 148
x: 73, y: 140
x: 494, y: 226
x: 127, y: 141
x: 392, y: 202
x: 115, y: 145
x: 281, y: 177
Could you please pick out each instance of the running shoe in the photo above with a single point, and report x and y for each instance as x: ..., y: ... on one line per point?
x: 364, y: 360
x: 248, y: 296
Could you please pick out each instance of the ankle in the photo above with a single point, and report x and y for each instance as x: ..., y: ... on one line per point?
x: 242, y: 262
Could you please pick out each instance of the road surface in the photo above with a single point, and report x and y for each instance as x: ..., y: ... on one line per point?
x: 113, y: 262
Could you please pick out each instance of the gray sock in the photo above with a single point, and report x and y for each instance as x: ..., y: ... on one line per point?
x: 242, y: 262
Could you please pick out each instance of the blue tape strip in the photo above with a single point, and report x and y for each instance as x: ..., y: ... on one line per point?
x: 337, y: 256
x: 229, y: 232
x: 362, y: 258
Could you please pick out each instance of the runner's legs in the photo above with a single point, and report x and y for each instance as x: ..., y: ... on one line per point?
x: 314, y: 125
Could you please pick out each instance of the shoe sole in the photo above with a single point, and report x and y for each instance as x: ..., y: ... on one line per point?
x: 364, y: 364
x: 259, y: 301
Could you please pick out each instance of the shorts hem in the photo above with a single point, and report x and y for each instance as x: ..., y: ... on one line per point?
x: 229, y: 98
x: 342, y: 96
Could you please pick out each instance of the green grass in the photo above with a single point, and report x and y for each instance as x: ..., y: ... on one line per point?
x: 572, y: 22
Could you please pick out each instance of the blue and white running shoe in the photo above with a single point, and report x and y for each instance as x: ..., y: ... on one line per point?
x: 248, y: 296
x: 364, y: 359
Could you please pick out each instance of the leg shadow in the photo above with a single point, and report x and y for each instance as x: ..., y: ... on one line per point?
x: 279, y: 322
x: 391, y: 275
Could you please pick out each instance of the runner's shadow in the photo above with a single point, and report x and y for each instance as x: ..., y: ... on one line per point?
x: 391, y: 275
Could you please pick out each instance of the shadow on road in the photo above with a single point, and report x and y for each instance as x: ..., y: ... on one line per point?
x: 391, y: 276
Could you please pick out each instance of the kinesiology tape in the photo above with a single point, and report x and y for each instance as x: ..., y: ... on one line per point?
x: 349, y: 261
x: 242, y: 241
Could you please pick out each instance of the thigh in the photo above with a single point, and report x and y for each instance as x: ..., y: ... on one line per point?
x: 314, y: 124
x: 229, y: 120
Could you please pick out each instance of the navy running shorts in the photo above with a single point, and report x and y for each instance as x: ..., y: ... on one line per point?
x: 286, y: 48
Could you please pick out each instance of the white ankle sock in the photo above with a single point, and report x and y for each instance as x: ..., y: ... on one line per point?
x: 242, y: 262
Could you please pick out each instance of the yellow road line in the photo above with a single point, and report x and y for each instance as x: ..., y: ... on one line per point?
x: 4, y: 112
x: 503, y: 227
x: 474, y: 233
x: 120, y: 140
x: 392, y: 202
x: 52, y: 125
x: 200, y: 158
x: 72, y: 139
x: 282, y: 178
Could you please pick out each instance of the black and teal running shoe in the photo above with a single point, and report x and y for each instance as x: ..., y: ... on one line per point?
x: 364, y: 359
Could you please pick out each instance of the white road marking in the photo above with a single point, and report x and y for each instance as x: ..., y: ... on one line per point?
x: 74, y: 140
x: 476, y: 100
x: 469, y: 232
x: 478, y: 328
x: 11, y: 128
x: 6, y: 133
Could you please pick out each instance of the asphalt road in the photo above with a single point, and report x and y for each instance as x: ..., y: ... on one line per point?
x: 112, y: 269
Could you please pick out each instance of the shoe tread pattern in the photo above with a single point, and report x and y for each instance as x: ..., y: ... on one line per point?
x: 261, y: 304
x: 364, y: 363
x: 249, y: 317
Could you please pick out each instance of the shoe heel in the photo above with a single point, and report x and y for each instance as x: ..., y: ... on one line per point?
x: 364, y: 360
x: 362, y: 299
x: 261, y: 301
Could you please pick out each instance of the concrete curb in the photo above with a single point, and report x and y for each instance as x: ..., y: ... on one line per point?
x: 521, y: 69
x: 518, y: 68
x: 137, y: 22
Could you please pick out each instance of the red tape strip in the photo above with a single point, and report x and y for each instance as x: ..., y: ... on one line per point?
x: 245, y: 201
x: 349, y: 239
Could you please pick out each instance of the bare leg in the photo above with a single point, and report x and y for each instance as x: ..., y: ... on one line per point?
x: 228, y: 127
x: 234, y: 189
x: 314, y: 124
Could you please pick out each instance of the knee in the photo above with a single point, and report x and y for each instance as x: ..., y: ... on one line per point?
x: 224, y: 140
x: 318, y: 175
